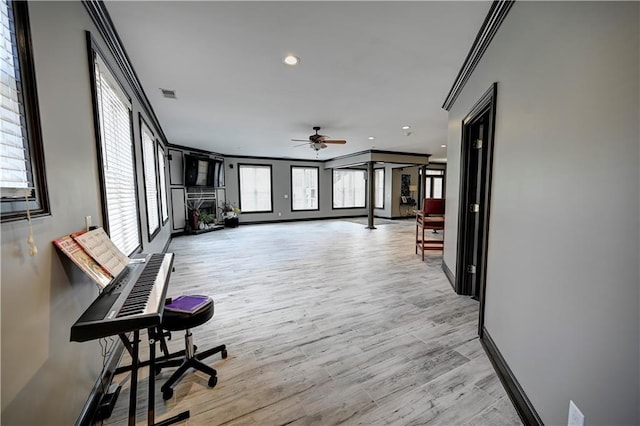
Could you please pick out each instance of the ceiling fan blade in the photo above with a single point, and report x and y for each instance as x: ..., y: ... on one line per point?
x: 300, y: 140
x: 301, y: 144
x: 336, y: 141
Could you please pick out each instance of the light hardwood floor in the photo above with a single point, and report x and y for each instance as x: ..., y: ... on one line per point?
x: 327, y: 323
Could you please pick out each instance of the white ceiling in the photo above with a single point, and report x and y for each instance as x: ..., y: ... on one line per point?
x: 367, y: 69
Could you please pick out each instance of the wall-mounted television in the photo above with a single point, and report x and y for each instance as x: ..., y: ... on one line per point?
x: 203, y: 171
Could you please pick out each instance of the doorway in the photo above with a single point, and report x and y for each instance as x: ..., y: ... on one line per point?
x: 475, y: 199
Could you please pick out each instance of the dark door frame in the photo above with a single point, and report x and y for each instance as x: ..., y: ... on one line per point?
x: 486, y: 105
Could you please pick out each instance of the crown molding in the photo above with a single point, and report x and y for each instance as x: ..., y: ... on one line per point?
x: 492, y: 22
x: 102, y: 20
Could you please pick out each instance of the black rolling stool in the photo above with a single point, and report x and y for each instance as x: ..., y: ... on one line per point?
x: 176, y: 321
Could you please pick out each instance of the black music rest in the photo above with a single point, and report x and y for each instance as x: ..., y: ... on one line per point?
x: 176, y: 321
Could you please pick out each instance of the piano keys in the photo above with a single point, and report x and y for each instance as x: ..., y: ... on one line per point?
x: 134, y: 300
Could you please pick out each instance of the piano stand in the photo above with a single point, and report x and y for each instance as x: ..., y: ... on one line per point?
x: 133, y: 348
x: 132, y: 301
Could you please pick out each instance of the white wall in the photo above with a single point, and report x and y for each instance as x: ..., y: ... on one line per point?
x: 45, y: 378
x: 562, y: 298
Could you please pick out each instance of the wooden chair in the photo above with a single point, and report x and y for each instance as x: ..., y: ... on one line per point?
x: 430, y: 217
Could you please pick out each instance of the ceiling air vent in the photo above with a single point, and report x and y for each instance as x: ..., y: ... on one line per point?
x: 169, y: 94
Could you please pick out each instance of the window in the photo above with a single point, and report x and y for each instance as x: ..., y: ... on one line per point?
x: 349, y: 188
x: 255, y: 188
x: 379, y: 181
x: 150, y: 180
x: 22, y: 174
x: 163, y: 184
x: 304, y: 188
x: 116, y: 158
x: 434, y: 184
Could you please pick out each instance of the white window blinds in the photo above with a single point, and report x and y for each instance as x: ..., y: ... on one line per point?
x: 14, y: 156
x: 379, y: 181
x: 150, y: 181
x: 349, y: 188
x: 117, y: 161
x: 304, y: 188
x: 163, y: 184
x: 255, y: 188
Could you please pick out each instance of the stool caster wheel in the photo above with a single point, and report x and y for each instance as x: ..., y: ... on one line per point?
x: 224, y: 354
x: 167, y: 394
x: 213, y: 380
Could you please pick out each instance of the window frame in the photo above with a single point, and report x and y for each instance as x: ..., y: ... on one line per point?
x: 383, y: 187
x: 366, y: 188
x: 151, y: 234
x: 38, y: 202
x: 240, y: 166
x: 317, y: 186
x: 94, y: 52
x: 162, y: 191
x: 429, y: 181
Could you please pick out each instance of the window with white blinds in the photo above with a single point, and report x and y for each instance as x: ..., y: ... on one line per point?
x: 255, y: 188
x: 15, y: 175
x: 150, y: 180
x: 21, y: 165
x: 304, y: 188
x: 379, y: 181
x: 163, y: 184
x: 121, y: 206
x: 349, y: 188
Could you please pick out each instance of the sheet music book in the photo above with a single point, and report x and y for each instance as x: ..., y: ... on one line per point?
x: 99, y: 246
x: 187, y: 304
x: 76, y: 253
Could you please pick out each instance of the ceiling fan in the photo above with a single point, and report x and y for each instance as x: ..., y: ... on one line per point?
x: 318, y: 142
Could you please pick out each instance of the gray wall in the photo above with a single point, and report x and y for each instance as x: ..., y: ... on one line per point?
x: 396, y: 209
x: 45, y: 378
x: 281, y: 176
x: 562, y: 276
x: 282, y: 186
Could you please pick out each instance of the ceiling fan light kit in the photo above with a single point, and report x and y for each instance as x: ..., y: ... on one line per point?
x: 318, y: 141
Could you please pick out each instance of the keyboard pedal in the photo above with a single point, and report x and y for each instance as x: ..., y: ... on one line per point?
x: 107, y: 403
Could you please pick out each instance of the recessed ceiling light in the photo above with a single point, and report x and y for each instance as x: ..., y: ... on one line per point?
x: 406, y: 127
x: 371, y: 138
x: 443, y: 146
x: 291, y: 60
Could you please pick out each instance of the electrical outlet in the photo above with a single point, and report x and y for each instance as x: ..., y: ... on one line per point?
x: 576, y: 418
x: 279, y: 213
x: 286, y: 196
x: 87, y: 221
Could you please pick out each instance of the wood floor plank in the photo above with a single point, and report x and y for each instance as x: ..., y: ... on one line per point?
x: 327, y: 323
